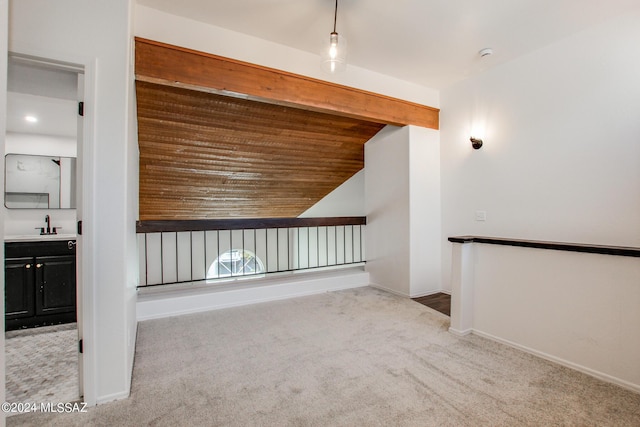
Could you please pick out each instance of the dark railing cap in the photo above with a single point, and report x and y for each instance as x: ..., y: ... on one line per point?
x: 153, y: 226
x: 558, y: 246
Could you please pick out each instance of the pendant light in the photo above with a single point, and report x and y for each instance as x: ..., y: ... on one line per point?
x: 334, y: 52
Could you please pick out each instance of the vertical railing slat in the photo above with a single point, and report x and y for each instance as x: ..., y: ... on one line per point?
x: 177, y: 257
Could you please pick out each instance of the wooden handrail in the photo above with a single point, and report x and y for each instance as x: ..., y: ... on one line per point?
x: 558, y: 246
x: 153, y: 226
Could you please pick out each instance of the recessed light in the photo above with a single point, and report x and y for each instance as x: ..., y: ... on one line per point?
x: 31, y: 119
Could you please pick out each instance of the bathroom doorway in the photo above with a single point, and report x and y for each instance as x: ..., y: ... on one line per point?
x: 42, y: 203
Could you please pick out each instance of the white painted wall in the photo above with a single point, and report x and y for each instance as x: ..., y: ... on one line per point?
x: 424, y: 211
x: 386, y: 157
x: 578, y: 309
x: 166, y: 301
x: 43, y: 145
x: 131, y: 182
x: 346, y: 200
x: 561, y: 154
x: 97, y: 35
x: 4, y: 37
x: 156, y: 25
x: 402, y: 198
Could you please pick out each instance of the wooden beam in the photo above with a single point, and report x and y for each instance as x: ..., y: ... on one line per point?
x: 177, y: 66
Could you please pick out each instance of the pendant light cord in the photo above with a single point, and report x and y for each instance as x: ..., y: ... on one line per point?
x: 335, y: 17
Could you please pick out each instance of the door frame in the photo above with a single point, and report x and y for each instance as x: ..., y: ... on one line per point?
x: 85, y: 291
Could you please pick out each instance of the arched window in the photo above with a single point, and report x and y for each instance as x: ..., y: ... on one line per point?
x: 236, y: 262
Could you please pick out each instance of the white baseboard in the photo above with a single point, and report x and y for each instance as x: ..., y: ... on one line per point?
x: 391, y: 291
x: 155, y: 303
x: 112, y: 397
x: 402, y: 294
x: 597, y: 374
x: 426, y: 294
x: 459, y: 332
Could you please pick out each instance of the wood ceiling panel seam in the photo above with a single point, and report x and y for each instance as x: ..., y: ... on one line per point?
x: 266, y: 162
x: 166, y: 108
x: 150, y: 128
x: 206, y: 136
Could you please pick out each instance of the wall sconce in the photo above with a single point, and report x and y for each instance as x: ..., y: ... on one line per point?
x: 476, y: 142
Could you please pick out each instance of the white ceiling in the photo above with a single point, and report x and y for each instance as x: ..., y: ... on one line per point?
x: 56, y: 117
x: 43, y: 91
x: 433, y: 43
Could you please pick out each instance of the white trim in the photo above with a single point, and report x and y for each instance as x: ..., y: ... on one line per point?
x: 426, y: 294
x: 112, y: 397
x: 391, y: 291
x: 592, y: 372
x: 88, y: 306
x: 460, y: 333
x: 4, y: 44
x: 156, y: 303
x: 402, y: 294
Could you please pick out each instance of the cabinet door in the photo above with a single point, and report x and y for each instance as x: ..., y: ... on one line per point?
x: 55, y: 284
x: 19, y: 277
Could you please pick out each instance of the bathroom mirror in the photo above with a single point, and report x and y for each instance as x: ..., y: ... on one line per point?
x: 39, y: 182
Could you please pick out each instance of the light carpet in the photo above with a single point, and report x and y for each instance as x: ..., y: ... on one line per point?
x: 360, y: 357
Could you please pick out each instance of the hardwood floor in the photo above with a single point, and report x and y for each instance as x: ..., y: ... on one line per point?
x: 440, y: 302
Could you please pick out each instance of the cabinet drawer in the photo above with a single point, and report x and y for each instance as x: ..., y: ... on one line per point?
x: 24, y: 249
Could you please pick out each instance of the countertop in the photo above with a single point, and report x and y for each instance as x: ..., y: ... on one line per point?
x: 39, y: 238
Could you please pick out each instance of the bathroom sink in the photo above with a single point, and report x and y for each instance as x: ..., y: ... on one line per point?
x: 39, y: 238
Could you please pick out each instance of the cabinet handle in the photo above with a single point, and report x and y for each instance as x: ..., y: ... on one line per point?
x: 38, y: 265
x: 27, y: 266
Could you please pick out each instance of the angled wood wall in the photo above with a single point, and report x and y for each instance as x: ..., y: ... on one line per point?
x: 220, y: 138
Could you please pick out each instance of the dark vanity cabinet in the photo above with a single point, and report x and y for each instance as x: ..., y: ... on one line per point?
x: 40, y: 283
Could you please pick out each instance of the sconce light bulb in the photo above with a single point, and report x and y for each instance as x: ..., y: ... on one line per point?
x: 333, y: 45
x: 476, y: 143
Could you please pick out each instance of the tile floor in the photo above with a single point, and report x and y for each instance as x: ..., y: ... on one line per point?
x: 42, y: 364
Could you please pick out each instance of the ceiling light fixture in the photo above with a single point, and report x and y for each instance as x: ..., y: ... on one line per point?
x: 31, y: 119
x: 334, y: 54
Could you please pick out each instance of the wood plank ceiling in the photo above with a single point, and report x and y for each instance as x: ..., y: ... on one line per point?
x: 206, y: 156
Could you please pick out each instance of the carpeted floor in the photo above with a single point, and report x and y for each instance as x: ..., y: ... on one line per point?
x: 361, y: 357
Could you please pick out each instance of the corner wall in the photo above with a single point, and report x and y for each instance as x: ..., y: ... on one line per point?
x: 386, y: 158
x: 346, y: 200
x: 561, y: 154
x: 402, y: 198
